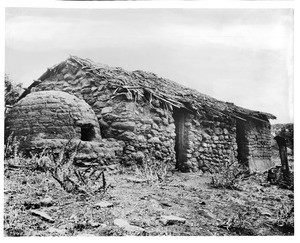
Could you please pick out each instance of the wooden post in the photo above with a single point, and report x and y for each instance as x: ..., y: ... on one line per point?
x: 283, y: 157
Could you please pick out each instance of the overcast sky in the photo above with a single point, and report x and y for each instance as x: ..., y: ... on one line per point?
x: 237, y: 55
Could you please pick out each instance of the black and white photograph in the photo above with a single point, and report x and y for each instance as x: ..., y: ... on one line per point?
x: 148, y: 121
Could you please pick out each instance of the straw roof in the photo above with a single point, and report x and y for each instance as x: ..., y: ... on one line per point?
x: 171, y: 93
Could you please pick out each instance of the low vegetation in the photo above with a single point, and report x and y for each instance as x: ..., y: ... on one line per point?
x: 12, y: 90
x: 232, y: 174
x: 46, y: 195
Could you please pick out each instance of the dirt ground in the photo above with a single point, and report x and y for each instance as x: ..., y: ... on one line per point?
x: 36, y: 205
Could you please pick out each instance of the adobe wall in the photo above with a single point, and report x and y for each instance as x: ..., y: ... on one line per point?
x: 49, y: 119
x: 52, y: 115
x: 257, y: 141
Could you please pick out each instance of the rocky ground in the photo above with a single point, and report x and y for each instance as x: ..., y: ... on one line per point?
x: 134, y: 204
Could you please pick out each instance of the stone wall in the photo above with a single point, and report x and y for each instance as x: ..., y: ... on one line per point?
x: 210, y: 142
x: 147, y: 130
x: 72, y: 79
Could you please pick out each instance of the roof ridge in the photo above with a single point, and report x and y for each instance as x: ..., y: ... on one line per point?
x: 173, y: 90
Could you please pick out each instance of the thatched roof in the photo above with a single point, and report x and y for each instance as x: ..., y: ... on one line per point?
x: 170, y: 92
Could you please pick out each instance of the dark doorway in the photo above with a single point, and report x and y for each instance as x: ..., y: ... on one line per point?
x: 87, y: 132
x: 181, y: 137
x: 242, y: 142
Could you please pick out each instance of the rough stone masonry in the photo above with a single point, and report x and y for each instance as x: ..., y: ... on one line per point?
x: 139, y: 116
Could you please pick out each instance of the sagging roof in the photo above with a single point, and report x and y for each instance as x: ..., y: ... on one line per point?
x: 141, y: 82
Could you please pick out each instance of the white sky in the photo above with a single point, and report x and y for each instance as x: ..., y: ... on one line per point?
x: 237, y: 55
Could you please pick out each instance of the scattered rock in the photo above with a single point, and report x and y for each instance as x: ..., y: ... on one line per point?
x: 53, y: 230
x: 264, y: 231
x: 112, y: 167
x: 85, y: 235
x: 155, y: 204
x: 67, y: 227
x: 47, y: 201
x: 42, y: 215
x: 139, y: 156
x: 165, y: 204
x: 265, y: 212
x: 122, y: 223
x: 206, y: 214
x: 31, y: 205
x: 95, y: 224
x: 169, y: 220
x: 136, y: 180
x: 103, y: 204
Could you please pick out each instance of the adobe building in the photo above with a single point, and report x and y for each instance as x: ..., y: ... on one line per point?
x: 128, y: 117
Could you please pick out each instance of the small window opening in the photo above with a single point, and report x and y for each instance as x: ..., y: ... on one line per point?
x: 87, y: 132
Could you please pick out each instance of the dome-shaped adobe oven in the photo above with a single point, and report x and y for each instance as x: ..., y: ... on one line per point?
x: 53, y: 115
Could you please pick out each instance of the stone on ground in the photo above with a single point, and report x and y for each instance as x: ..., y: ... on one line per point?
x: 57, y: 231
x: 136, y: 180
x: 42, y: 215
x: 122, y: 223
x: 104, y: 204
x: 170, y: 219
x: 47, y: 201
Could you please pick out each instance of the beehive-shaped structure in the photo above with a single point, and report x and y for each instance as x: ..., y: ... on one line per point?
x: 53, y: 115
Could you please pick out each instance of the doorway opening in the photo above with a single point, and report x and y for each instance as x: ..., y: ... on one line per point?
x: 87, y: 132
x: 242, y: 142
x: 181, y: 137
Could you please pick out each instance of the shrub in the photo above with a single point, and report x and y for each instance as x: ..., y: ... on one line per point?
x: 12, y: 91
x: 70, y: 177
x: 11, y: 225
x: 152, y: 170
x: 239, y: 223
x: 231, y: 174
x: 60, y: 166
x: 276, y: 177
x: 285, y: 219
